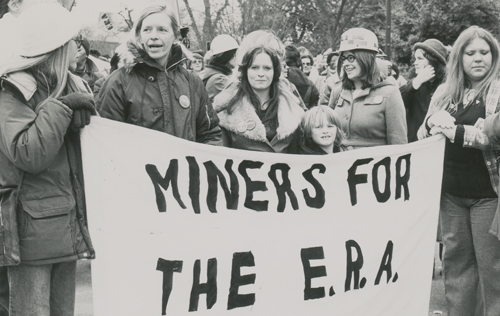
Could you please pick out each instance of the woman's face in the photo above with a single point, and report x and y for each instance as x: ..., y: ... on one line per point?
x: 261, y: 72
x: 197, y: 65
x: 420, y: 60
x: 323, y: 134
x: 157, y: 36
x: 333, y: 64
x: 72, y: 53
x: 306, y: 65
x: 477, y: 60
x: 351, y: 68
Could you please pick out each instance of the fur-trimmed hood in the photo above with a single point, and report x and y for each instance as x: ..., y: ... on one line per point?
x: 135, y: 55
x: 244, y: 120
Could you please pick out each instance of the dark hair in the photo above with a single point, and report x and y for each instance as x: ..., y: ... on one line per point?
x: 245, y: 89
x: 395, y: 68
x: 307, y: 56
x: 370, y: 74
x: 4, y: 7
x: 292, y: 56
x: 330, y: 56
x: 223, y: 58
x: 115, y: 59
x: 95, y: 52
x: 440, y: 69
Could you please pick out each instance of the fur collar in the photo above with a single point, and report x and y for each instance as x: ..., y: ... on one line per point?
x: 244, y: 120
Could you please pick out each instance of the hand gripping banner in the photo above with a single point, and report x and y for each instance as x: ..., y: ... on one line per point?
x: 182, y: 228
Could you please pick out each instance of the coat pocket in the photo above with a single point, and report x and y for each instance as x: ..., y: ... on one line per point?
x: 46, y: 228
x: 374, y: 100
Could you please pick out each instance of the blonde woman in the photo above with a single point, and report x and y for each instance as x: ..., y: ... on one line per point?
x: 43, y: 107
x: 469, y: 197
x: 370, y: 108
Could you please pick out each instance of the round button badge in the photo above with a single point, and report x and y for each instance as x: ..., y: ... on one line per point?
x: 184, y: 101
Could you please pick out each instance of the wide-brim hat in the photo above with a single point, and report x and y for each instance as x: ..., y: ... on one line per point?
x: 433, y: 47
x: 45, y: 27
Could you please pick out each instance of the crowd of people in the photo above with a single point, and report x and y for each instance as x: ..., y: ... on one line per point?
x: 257, y: 95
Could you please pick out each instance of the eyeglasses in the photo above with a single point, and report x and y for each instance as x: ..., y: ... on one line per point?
x: 350, y: 58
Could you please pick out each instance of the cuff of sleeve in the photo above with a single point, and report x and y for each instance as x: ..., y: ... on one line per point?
x: 459, y: 134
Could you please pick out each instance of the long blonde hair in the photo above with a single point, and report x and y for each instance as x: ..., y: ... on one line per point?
x: 456, y: 81
x: 53, y: 66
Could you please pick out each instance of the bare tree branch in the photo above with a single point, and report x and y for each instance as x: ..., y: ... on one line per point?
x: 193, y: 22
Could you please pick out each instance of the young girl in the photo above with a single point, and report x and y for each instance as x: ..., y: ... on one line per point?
x: 321, y: 133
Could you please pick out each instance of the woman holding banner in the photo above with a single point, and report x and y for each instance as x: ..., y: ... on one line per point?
x: 43, y: 107
x: 153, y: 90
x: 260, y: 112
x: 469, y: 196
x: 370, y: 108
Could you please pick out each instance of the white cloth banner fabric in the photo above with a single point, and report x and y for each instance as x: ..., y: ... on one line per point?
x: 182, y: 228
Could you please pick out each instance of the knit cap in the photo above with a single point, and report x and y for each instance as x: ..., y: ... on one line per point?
x: 45, y: 27
x: 435, y: 48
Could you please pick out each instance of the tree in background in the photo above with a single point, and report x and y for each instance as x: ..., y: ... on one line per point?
x: 316, y: 24
x: 418, y: 20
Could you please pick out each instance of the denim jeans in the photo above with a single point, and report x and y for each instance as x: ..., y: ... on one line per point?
x: 471, y: 261
x: 4, y: 292
x: 43, y: 290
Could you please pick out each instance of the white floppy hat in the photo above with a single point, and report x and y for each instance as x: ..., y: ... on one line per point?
x: 223, y: 43
x: 45, y: 27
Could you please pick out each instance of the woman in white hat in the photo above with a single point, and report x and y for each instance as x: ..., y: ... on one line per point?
x: 370, y: 108
x: 220, y: 65
x: 43, y: 107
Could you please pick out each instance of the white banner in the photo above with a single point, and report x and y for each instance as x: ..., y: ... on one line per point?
x: 182, y: 228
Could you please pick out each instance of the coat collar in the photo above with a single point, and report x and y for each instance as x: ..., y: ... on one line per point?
x: 24, y: 82
x: 136, y: 55
x: 244, y: 120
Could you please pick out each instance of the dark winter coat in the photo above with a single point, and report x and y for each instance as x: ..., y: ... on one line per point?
x: 90, y: 73
x: 215, y: 79
x: 416, y: 103
x: 173, y: 101
x: 306, y: 88
x: 37, y: 147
